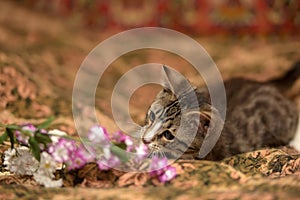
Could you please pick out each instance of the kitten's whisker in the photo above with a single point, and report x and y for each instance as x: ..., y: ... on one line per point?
x: 162, y: 153
x: 149, y: 155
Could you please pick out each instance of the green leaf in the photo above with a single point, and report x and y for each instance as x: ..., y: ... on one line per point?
x: 35, y: 147
x: 11, y: 136
x: 42, y: 138
x: 12, y: 127
x: 46, y: 123
x: 121, y: 145
x: 3, y: 137
x: 122, y: 154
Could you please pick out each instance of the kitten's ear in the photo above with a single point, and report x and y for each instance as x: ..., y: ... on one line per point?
x: 174, y: 82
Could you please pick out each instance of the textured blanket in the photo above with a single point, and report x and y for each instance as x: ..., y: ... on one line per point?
x: 267, y: 174
x: 39, y: 58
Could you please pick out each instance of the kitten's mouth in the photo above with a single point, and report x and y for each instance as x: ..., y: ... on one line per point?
x: 156, y: 150
x: 154, y: 147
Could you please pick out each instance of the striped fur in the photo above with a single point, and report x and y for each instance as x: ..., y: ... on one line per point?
x: 258, y: 116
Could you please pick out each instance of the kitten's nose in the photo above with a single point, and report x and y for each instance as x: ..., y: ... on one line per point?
x: 145, y: 141
x: 150, y: 133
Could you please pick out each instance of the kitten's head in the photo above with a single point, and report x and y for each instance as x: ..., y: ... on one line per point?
x: 176, y: 125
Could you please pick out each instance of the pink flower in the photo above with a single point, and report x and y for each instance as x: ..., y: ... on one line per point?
x: 157, y: 164
x: 98, y: 134
x: 129, y: 144
x: 160, y: 169
x: 168, y: 174
x: 142, y: 150
x: 78, y: 158
x: 107, y: 160
x: 29, y: 127
x: 106, y: 164
x: 24, y: 137
x: 61, y: 150
x: 87, y: 155
x: 66, y: 151
x: 120, y: 137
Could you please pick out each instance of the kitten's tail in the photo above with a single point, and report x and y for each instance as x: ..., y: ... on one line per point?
x: 289, y: 78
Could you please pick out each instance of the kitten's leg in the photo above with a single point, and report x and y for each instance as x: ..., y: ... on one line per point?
x: 295, y: 142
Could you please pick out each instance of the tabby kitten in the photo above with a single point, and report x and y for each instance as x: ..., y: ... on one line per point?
x: 258, y: 116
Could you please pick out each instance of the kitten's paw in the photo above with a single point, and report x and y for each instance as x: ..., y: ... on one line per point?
x: 295, y: 142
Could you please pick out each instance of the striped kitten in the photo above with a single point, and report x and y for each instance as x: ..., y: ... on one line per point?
x: 258, y: 116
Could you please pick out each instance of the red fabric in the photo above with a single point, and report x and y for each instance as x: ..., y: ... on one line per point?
x: 193, y: 16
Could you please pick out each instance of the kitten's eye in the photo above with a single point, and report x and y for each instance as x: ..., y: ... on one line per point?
x: 151, y: 116
x: 168, y: 135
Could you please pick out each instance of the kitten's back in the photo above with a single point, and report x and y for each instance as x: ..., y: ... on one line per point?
x: 258, y: 115
x: 261, y: 112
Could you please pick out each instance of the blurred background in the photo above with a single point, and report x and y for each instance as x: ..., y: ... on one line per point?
x: 193, y: 17
x: 43, y: 43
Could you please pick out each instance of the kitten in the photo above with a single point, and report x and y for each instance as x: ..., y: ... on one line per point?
x: 258, y: 116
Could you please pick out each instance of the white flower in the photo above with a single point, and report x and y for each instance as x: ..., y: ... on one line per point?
x: 47, y: 165
x: 44, y: 175
x: 107, y: 153
x: 47, y: 181
x: 9, y: 155
x: 128, y: 141
x: 57, y: 134
x: 20, y: 161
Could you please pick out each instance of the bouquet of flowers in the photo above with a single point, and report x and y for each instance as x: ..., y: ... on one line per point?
x: 40, y: 153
